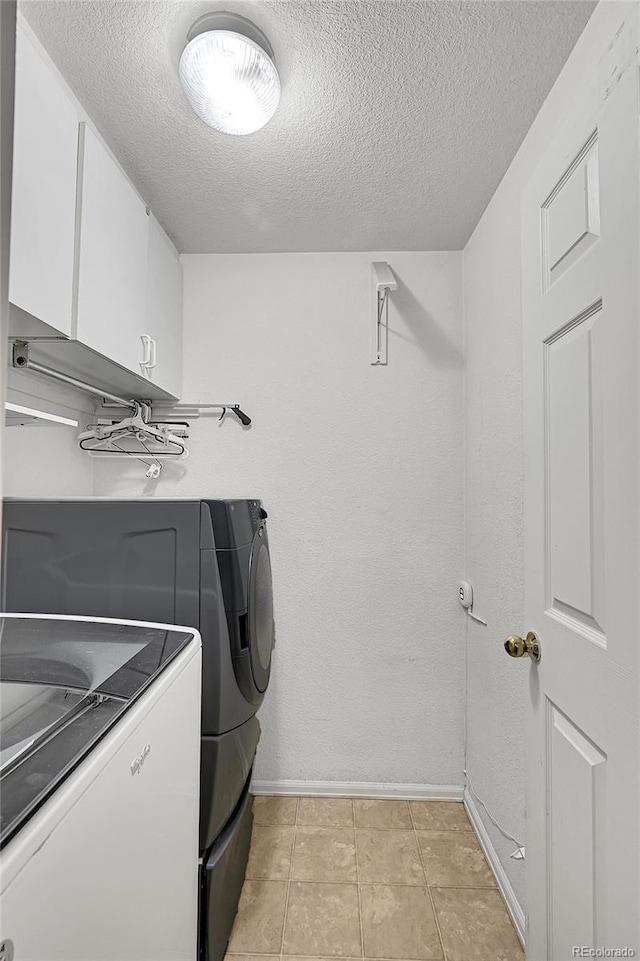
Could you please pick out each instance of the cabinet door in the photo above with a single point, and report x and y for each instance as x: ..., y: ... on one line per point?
x: 43, y: 204
x: 163, y: 318
x: 113, y: 230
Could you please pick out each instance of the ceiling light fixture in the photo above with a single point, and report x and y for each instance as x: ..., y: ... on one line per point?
x: 228, y: 73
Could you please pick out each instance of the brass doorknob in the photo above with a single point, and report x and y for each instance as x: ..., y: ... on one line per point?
x: 519, y: 646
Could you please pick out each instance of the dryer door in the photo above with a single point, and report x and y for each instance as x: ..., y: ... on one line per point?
x: 260, y: 610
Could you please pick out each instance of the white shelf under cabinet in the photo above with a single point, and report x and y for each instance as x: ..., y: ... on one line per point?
x: 15, y: 415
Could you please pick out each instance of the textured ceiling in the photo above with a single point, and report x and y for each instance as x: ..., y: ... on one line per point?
x: 397, y: 121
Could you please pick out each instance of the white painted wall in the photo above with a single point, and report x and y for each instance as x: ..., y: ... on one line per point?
x: 494, y: 462
x: 361, y: 471
x: 46, y: 461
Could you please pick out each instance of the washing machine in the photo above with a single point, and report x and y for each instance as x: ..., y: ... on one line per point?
x: 99, y: 773
x: 203, y: 563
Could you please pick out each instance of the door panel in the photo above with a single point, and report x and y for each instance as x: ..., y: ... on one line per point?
x: 576, y: 799
x: 580, y: 255
x: 573, y: 462
x: 571, y: 213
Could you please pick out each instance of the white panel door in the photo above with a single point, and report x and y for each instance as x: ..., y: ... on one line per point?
x: 163, y: 318
x: 581, y: 364
x: 113, y: 230
x: 45, y: 165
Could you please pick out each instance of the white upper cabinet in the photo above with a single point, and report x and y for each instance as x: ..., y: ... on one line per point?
x: 45, y: 162
x: 113, y: 236
x: 163, y: 315
x: 89, y: 265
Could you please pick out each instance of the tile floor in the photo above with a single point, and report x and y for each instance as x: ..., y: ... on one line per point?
x: 342, y: 878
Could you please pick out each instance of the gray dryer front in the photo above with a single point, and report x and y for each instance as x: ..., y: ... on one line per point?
x: 156, y: 560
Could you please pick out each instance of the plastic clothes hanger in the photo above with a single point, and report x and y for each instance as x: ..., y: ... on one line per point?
x: 100, y: 439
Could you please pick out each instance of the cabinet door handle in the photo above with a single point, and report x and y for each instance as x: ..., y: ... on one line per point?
x: 152, y: 354
x: 146, y: 358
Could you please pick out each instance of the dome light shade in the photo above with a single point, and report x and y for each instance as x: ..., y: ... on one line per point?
x: 228, y: 75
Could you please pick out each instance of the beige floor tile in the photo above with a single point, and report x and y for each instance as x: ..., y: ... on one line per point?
x: 270, y: 854
x: 398, y: 922
x: 475, y: 926
x: 454, y: 859
x: 324, y: 854
x: 382, y: 815
x: 260, y: 918
x: 323, y: 920
x: 275, y: 810
x: 440, y: 816
x: 390, y: 857
x: 326, y: 812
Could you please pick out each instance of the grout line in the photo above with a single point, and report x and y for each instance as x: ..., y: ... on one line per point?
x: 426, y: 877
x: 387, y: 884
x: 369, y: 884
x: 425, y: 884
x: 355, y: 847
x: 236, y: 954
x: 415, y: 837
x: 286, y: 903
x: 387, y: 830
x: 335, y: 957
x: 464, y: 887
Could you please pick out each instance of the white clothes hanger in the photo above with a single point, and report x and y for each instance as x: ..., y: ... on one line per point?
x: 137, y: 425
x: 136, y: 436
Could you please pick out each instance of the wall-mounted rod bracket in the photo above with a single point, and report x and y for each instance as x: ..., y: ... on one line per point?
x: 383, y: 282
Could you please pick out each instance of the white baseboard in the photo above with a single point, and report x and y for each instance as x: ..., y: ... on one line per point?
x: 403, y: 792
x: 513, y: 905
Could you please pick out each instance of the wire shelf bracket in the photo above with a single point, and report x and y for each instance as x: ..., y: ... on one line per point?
x: 383, y: 282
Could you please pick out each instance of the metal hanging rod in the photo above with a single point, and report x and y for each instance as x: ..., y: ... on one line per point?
x: 182, y: 407
x: 22, y: 360
x: 179, y: 411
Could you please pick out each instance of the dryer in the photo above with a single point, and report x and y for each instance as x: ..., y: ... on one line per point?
x: 242, y: 551
x: 202, y: 563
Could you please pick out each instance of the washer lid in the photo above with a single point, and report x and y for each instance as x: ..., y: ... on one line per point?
x: 63, y: 684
